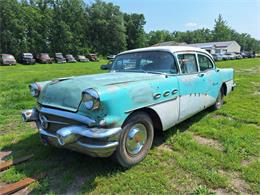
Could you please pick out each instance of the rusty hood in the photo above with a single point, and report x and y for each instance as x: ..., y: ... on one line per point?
x: 65, y: 93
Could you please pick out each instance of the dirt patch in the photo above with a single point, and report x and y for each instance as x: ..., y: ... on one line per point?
x: 2, y: 184
x: 252, y: 70
x: 3, y: 132
x: 221, y: 191
x: 217, y: 116
x: 246, y: 162
x: 239, y: 119
x: 220, y: 116
x: 165, y: 147
x: 209, y: 142
x: 33, y: 125
x: 75, y: 186
x: 237, y: 184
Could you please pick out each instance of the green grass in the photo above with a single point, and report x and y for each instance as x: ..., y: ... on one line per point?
x: 177, y: 163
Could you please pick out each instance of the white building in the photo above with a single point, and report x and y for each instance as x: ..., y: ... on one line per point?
x: 219, y: 47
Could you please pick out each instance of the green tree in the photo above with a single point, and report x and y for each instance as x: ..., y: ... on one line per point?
x: 106, y: 28
x: 159, y: 36
x: 221, y: 31
x: 67, y: 33
x: 12, y: 36
x: 135, y: 35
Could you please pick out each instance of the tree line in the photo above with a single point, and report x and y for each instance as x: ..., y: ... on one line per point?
x: 72, y: 26
x: 221, y: 32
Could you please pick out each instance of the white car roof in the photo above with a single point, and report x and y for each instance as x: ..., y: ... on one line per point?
x: 171, y: 49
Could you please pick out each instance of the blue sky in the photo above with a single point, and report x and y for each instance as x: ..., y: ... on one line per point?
x: 182, y: 15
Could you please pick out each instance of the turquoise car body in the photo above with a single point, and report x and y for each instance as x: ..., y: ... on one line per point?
x: 168, y: 98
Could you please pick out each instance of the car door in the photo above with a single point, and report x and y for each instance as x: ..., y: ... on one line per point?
x: 191, y: 85
x: 165, y: 90
x: 210, y: 77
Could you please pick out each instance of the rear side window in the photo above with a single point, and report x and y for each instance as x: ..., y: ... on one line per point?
x: 204, y: 63
x: 188, y: 63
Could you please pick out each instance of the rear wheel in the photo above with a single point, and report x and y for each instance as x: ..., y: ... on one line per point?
x: 220, y: 99
x: 135, y: 140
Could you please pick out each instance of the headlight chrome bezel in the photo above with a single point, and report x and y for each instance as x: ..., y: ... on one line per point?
x: 35, y: 89
x: 90, y: 99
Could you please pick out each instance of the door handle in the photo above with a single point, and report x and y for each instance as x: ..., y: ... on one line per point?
x: 174, y: 91
x: 201, y: 74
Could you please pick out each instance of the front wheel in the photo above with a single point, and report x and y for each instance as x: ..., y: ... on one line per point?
x: 135, y: 140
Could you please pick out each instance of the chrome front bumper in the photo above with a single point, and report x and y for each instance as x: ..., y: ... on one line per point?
x: 92, y: 141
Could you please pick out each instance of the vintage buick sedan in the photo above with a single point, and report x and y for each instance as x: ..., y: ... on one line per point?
x: 117, y: 113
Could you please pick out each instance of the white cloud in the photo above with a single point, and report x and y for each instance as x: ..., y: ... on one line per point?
x: 191, y: 24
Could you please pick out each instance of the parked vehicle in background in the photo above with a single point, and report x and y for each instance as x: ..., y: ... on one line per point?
x: 59, y: 58
x: 108, y: 66
x: 225, y: 57
x: 70, y: 58
x: 238, y: 55
x: 7, y: 59
x: 117, y: 113
x: 247, y: 54
x: 43, y: 58
x: 244, y: 54
x: 217, y: 57
x: 27, y: 58
x: 82, y: 58
x: 92, y: 57
x: 231, y: 56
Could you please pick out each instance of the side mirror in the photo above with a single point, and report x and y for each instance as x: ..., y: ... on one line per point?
x: 105, y: 67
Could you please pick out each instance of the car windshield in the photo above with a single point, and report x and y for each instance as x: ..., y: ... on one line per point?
x: 10, y: 57
x: 69, y: 56
x: 147, y: 61
x: 59, y: 55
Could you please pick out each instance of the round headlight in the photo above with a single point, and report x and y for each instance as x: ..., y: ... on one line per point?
x: 90, y: 98
x: 34, y: 89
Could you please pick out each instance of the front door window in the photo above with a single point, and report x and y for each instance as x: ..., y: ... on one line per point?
x: 188, y: 63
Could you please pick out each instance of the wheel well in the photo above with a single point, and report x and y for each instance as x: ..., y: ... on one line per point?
x: 224, y: 87
x: 157, y: 123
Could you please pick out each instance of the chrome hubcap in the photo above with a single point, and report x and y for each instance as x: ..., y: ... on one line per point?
x: 136, y: 139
